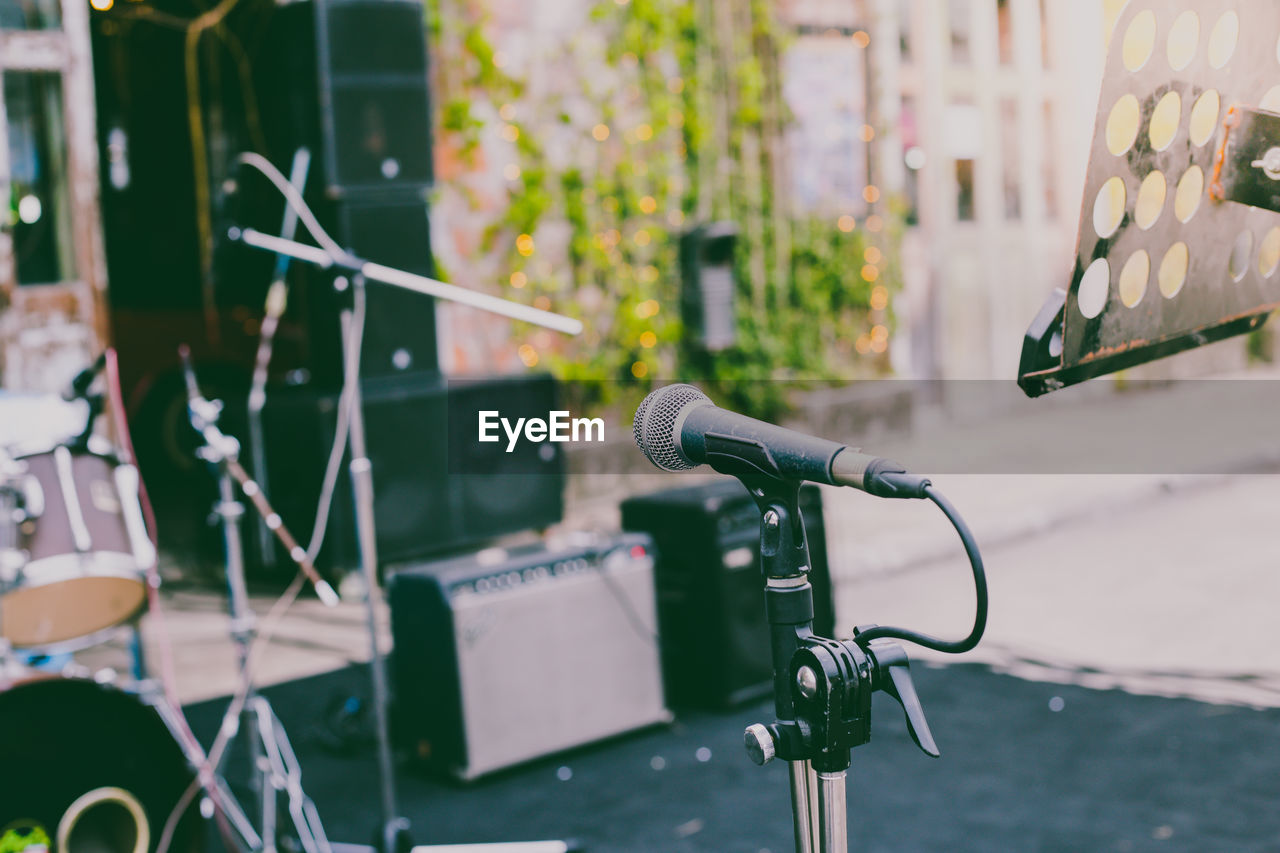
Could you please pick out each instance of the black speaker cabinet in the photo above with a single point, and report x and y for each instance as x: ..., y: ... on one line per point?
x: 400, y: 325
x: 715, y: 640
x: 347, y: 79
x: 434, y: 491
x: 505, y: 656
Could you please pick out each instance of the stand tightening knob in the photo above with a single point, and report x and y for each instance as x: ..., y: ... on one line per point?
x: 759, y: 743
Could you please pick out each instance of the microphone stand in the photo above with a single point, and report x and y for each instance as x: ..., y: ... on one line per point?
x: 822, y: 687
x: 350, y: 274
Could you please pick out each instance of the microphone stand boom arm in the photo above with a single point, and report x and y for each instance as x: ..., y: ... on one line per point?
x: 350, y: 273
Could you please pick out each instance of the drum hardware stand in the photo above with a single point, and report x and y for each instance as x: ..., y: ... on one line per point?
x: 274, y: 765
x: 350, y: 274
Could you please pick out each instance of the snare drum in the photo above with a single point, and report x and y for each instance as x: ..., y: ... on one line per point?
x: 86, y: 550
x: 90, y: 768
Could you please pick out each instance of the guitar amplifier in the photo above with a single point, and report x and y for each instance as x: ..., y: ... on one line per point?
x: 508, y: 655
x: 711, y: 616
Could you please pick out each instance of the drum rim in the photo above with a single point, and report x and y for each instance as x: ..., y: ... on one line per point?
x: 64, y: 574
x: 58, y: 573
x: 97, y: 446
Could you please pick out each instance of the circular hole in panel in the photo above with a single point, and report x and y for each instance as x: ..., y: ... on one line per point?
x: 1204, y: 117
x: 1151, y: 197
x: 1108, y: 207
x: 1164, y: 121
x: 1122, y: 125
x: 1139, y: 40
x: 1173, y: 270
x: 1186, y: 199
x: 1091, y: 295
x: 1133, y: 278
x: 1184, y: 36
x: 1240, y: 252
x: 1223, y: 39
x: 1271, y: 101
x: 1269, y: 253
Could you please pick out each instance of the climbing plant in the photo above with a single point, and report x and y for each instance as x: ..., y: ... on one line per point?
x: 665, y: 114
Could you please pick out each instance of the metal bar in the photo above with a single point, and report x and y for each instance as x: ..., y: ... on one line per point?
x: 833, y: 829
x: 276, y: 296
x: 362, y: 489
x: 802, y: 805
x: 416, y: 283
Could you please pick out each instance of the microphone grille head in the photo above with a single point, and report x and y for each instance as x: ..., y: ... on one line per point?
x: 655, y: 425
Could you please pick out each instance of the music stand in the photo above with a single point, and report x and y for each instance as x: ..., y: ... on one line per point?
x: 1178, y: 242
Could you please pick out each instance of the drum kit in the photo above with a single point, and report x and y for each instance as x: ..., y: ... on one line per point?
x: 91, y: 762
x: 88, y: 761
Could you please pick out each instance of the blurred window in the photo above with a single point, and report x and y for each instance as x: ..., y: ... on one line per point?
x: 964, y: 190
x: 913, y: 157
x: 1004, y: 31
x: 37, y: 208
x: 1045, y: 52
x: 904, y: 29
x: 824, y: 87
x: 1050, y: 174
x: 1011, y: 159
x: 961, y: 25
x: 29, y: 15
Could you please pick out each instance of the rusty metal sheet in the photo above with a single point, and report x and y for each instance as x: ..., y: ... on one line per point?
x: 1174, y: 70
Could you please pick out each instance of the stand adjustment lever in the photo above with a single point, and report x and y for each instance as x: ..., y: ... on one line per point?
x: 831, y: 686
x: 891, y: 672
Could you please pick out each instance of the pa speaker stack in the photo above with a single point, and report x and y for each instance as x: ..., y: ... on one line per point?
x: 347, y: 79
x: 436, y: 489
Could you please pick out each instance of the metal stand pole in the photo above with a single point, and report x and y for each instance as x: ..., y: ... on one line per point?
x: 831, y: 809
x: 393, y: 826
x: 803, y: 794
x: 230, y: 511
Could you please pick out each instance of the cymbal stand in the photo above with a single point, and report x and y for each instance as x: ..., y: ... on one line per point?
x: 274, y: 767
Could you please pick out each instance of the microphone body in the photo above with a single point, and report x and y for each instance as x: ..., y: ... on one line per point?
x: 706, y: 433
x: 678, y: 427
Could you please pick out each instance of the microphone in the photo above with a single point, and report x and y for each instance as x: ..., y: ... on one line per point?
x: 678, y: 427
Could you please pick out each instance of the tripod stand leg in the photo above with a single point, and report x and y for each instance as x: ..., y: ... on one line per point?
x: 281, y: 771
x: 833, y: 829
x: 803, y: 796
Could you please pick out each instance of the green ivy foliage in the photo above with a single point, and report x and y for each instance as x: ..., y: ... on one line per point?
x: 685, y: 126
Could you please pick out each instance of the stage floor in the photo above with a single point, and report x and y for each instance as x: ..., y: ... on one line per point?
x: 1026, y: 766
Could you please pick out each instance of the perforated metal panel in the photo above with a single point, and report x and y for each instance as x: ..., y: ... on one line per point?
x: 1161, y: 265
